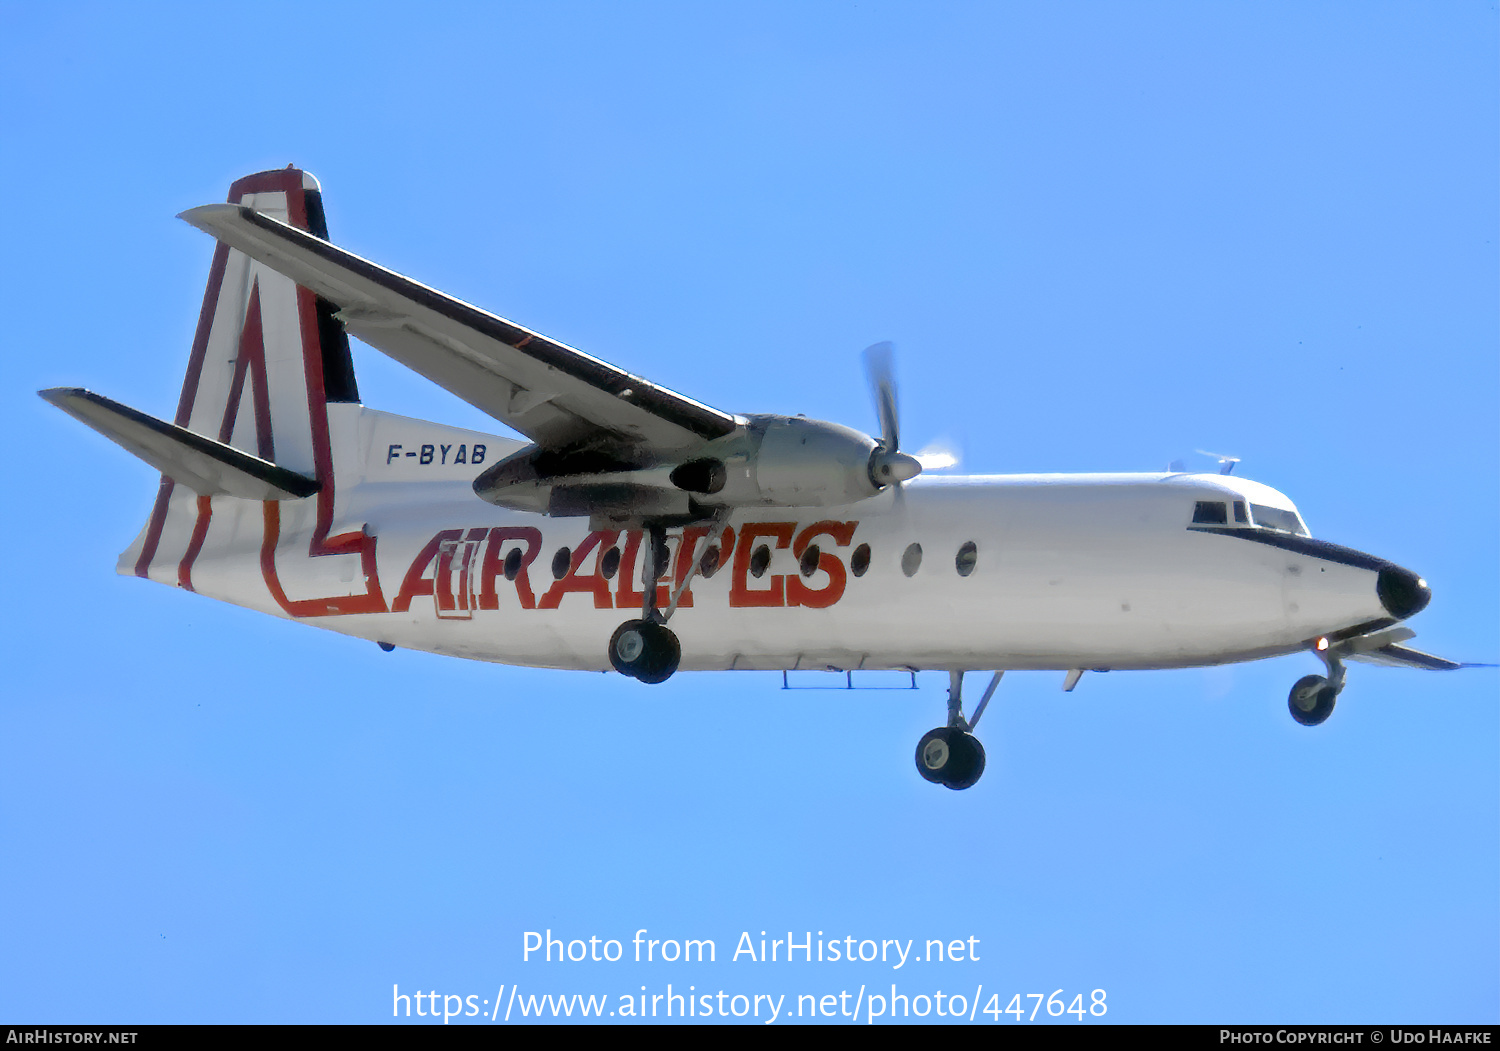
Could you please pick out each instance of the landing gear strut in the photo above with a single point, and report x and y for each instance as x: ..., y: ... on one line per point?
x: 1311, y: 700
x: 646, y: 649
x: 951, y: 755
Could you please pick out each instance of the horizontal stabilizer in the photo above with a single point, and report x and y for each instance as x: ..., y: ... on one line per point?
x: 207, y: 467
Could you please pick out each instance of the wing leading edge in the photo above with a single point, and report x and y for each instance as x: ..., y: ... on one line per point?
x: 557, y: 396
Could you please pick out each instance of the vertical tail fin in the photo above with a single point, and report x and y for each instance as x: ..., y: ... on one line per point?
x: 268, y: 361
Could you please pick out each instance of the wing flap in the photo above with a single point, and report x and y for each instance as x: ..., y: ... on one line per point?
x: 458, y: 367
x: 555, y: 395
x: 207, y: 467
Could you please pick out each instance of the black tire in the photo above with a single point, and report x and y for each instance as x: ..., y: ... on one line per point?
x: 948, y: 756
x: 644, y: 650
x: 970, y: 763
x: 663, y: 653
x: 1316, y: 689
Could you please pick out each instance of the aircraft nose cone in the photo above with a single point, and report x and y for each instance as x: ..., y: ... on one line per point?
x: 1402, y: 592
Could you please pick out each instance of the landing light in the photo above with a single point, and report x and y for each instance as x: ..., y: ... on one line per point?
x: 1322, y: 644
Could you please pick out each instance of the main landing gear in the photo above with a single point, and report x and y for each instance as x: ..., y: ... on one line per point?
x: 1311, y: 700
x: 646, y: 649
x: 951, y: 755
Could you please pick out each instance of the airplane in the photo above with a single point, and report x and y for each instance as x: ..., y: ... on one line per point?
x: 640, y: 530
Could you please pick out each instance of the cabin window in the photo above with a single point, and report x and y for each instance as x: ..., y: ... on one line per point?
x: 708, y: 565
x: 513, y: 564
x: 968, y: 555
x: 560, y: 563
x: 1277, y: 519
x: 809, y: 563
x: 609, y: 565
x: 1210, y: 512
x: 911, y: 559
x: 860, y: 560
x: 760, y: 561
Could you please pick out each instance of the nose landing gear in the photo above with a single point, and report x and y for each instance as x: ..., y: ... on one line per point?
x: 1311, y: 700
x: 951, y: 755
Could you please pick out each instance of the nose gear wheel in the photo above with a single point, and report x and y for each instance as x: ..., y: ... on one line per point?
x: 1311, y: 700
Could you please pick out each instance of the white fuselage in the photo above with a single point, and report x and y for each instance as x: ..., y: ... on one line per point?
x: 1066, y: 572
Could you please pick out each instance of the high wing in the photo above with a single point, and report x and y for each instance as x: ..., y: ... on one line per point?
x: 560, y: 398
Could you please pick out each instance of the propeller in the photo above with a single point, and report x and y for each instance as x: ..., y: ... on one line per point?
x: 1226, y: 463
x: 888, y: 464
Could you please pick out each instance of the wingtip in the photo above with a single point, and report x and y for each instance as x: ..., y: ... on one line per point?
x: 202, y: 216
x: 58, y: 395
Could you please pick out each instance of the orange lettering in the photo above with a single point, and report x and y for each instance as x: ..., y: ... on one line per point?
x: 627, y: 596
x: 740, y: 594
x: 415, y: 582
x: 798, y: 593
x: 450, y: 598
x: 592, y: 583
x: 494, y: 565
x: 687, y: 550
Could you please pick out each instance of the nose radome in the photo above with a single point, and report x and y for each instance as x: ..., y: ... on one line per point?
x: 1402, y: 592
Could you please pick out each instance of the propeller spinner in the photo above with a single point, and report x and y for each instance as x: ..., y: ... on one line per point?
x: 888, y: 464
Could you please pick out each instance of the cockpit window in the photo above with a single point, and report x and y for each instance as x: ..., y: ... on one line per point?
x: 1256, y: 516
x: 1277, y: 519
x: 1210, y: 512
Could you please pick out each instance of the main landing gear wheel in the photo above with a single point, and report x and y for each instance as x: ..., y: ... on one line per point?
x: 1311, y: 700
x: 949, y: 756
x: 645, y: 650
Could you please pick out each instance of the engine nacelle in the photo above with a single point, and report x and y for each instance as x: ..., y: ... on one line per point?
x: 778, y: 461
x: 799, y: 462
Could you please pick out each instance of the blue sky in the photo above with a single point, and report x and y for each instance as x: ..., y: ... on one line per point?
x: 1101, y: 236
